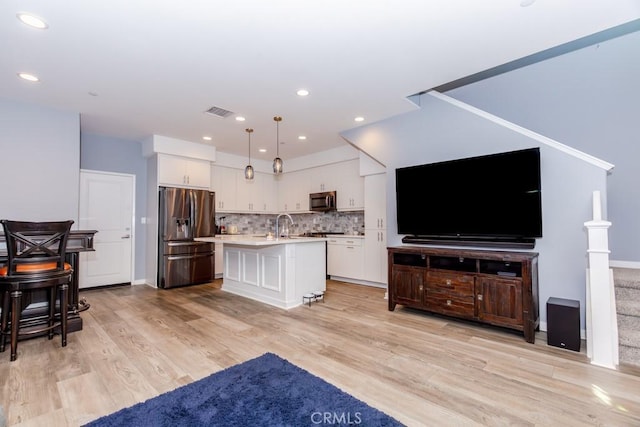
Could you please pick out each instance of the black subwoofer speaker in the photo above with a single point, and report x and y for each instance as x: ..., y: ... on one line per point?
x: 563, y: 323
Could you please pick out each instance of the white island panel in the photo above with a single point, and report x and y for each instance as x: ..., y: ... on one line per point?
x: 277, y: 272
x: 272, y: 276
x: 232, y: 263
x: 250, y: 267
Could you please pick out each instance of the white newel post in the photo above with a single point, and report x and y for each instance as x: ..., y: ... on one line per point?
x: 602, y: 325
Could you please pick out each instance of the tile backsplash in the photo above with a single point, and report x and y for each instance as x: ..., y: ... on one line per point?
x: 345, y: 222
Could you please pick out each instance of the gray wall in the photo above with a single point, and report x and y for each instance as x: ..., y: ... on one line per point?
x: 587, y: 99
x: 440, y: 131
x: 106, y: 154
x: 40, y: 171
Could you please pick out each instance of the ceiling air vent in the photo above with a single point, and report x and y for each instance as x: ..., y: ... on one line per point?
x: 219, y: 112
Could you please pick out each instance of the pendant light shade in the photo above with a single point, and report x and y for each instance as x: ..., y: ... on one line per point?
x: 277, y: 162
x: 248, y: 171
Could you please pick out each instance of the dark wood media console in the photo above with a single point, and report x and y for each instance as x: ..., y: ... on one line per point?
x: 494, y: 287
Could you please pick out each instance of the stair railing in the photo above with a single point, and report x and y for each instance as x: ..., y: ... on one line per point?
x: 601, y: 320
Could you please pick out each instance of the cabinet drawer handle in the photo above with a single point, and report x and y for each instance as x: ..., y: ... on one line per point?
x: 448, y: 302
x: 448, y: 282
x: 479, y: 297
x: 421, y: 287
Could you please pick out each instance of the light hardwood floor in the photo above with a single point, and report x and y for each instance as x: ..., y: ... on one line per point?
x: 424, y: 370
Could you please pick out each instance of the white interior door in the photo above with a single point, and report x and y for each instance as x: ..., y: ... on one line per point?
x: 106, y: 205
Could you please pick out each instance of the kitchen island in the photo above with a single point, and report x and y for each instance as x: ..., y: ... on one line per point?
x: 273, y: 271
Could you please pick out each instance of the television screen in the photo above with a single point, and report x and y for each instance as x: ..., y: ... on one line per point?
x: 490, y: 198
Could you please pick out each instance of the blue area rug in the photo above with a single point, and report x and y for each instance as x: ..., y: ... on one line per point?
x: 265, y: 391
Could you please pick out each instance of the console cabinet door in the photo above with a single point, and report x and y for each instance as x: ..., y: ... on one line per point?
x: 408, y: 285
x: 499, y: 301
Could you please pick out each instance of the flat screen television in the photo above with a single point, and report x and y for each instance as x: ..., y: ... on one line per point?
x: 491, y: 200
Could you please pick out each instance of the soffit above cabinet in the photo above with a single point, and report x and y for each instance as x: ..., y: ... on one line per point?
x: 177, y: 147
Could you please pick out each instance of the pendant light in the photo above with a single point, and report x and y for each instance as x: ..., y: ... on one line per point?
x: 277, y: 162
x: 248, y: 171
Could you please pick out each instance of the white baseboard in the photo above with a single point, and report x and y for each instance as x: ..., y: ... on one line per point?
x: 359, y: 282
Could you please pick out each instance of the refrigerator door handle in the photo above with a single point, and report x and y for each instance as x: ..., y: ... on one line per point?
x: 186, y: 243
x: 178, y: 257
x: 192, y: 214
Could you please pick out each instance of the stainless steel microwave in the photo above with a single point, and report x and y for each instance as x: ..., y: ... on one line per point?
x: 322, y: 202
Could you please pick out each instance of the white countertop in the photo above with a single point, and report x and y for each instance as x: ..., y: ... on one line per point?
x: 249, y: 240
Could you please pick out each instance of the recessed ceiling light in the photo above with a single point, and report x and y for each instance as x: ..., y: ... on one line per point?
x: 302, y: 137
x: 359, y: 119
x: 32, y: 21
x: 28, y: 77
x: 302, y: 92
x: 262, y: 150
x: 240, y: 119
x: 206, y: 138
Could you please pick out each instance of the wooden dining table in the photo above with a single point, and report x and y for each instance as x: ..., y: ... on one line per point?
x: 35, y: 312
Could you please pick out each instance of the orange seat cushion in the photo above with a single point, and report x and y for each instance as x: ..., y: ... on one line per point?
x: 33, y: 268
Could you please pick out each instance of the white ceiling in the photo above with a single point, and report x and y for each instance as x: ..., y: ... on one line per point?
x: 133, y: 68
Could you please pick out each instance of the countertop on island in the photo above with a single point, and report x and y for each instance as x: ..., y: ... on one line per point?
x: 251, y: 240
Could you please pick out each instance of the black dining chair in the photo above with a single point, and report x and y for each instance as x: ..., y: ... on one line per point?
x: 35, y: 261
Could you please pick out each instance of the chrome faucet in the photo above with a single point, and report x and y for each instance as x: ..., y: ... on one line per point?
x: 278, y: 220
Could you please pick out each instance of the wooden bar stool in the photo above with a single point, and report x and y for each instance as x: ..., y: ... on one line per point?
x: 36, y: 261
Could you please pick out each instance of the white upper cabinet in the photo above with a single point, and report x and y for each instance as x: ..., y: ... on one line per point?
x: 293, y: 192
x: 258, y: 195
x: 350, y: 185
x: 183, y: 172
x: 289, y: 192
x: 321, y: 179
x: 223, y: 183
x: 342, y: 177
x: 234, y: 193
x: 268, y: 197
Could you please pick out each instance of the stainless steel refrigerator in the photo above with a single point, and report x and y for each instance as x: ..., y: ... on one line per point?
x: 183, y: 215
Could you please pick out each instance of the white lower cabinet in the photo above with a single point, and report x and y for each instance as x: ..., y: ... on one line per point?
x: 345, y: 257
